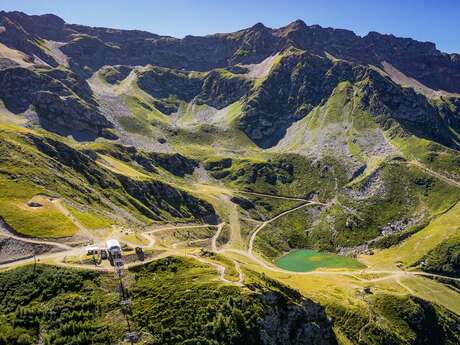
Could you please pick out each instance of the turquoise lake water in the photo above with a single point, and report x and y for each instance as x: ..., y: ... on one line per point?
x: 306, y: 260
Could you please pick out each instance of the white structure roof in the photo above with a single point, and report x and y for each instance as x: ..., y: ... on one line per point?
x: 113, y: 244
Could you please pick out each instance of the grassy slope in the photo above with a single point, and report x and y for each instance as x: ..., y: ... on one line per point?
x: 85, y: 184
x: 445, y: 257
x: 90, y: 220
x: 45, y: 221
x: 418, y: 245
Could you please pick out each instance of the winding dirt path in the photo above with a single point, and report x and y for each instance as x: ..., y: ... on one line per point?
x: 34, y: 241
x: 216, y: 236
x: 397, y: 275
x: 84, y: 231
x: 270, y: 196
x: 150, y: 234
x: 392, y: 274
x: 433, y: 173
x: 404, y: 286
x: 221, y: 270
x: 240, y: 272
x: 6, y: 233
x: 179, y: 227
x: 175, y: 245
x: 264, y: 224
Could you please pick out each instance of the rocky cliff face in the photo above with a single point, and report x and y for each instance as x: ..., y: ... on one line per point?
x: 287, y: 323
x: 94, y: 47
x: 61, y: 101
x: 218, y: 88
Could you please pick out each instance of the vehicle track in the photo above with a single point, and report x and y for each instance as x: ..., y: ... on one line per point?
x: 264, y: 224
x: 270, y: 196
x: 221, y: 271
x: 216, y: 236
x: 433, y: 173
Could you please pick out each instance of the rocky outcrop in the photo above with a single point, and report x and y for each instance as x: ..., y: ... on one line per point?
x: 292, y: 89
x: 61, y: 100
x: 408, y: 320
x: 311, y: 62
x: 162, y: 83
x: 175, y: 163
x: 68, y: 116
x: 79, y: 162
x: 412, y: 111
x: 14, y: 34
x: 221, y: 88
x: 272, y: 172
x: 218, y: 88
x: 115, y: 74
x: 288, y: 323
x: 444, y: 259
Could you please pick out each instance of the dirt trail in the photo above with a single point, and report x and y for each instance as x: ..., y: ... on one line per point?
x: 404, y: 286
x: 175, y: 245
x: 150, y: 234
x: 6, y: 233
x: 264, y: 224
x: 179, y: 227
x: 240, y: 272
x: 34, y: 241
x: 83, y: 230
x: 235, y: 228
x: 391, y: 274
x: 271, y: 196
x: 397, y: 275
x: 216, y: 236
x: 221, y: 271
x: 446, y: 179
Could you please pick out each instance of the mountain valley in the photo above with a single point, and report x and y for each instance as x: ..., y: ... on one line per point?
x: 216, y: 156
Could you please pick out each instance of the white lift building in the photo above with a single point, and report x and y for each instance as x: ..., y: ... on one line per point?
x: 114, y: 251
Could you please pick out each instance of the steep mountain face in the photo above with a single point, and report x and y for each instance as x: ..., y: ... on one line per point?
x: 95, y: 47
x: 300, y: 137
x: 61, y: 102
x: 294, y: 84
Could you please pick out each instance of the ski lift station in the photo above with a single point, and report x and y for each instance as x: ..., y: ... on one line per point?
x: 113, y: 245
x: 114, y: 250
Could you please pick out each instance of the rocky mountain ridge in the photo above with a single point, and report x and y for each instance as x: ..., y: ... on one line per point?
x: 94, y: 47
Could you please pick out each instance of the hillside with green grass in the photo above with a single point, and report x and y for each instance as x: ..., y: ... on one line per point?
x: 213, y: 159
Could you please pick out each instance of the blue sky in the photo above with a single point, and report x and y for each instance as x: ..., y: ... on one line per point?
x: 424, y: 20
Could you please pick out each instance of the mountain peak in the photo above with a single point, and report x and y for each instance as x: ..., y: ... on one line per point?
x: 298, y: 24
x: 258, y: 27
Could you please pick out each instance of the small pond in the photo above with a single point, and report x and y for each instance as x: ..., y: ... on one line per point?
x: 305, y: 260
